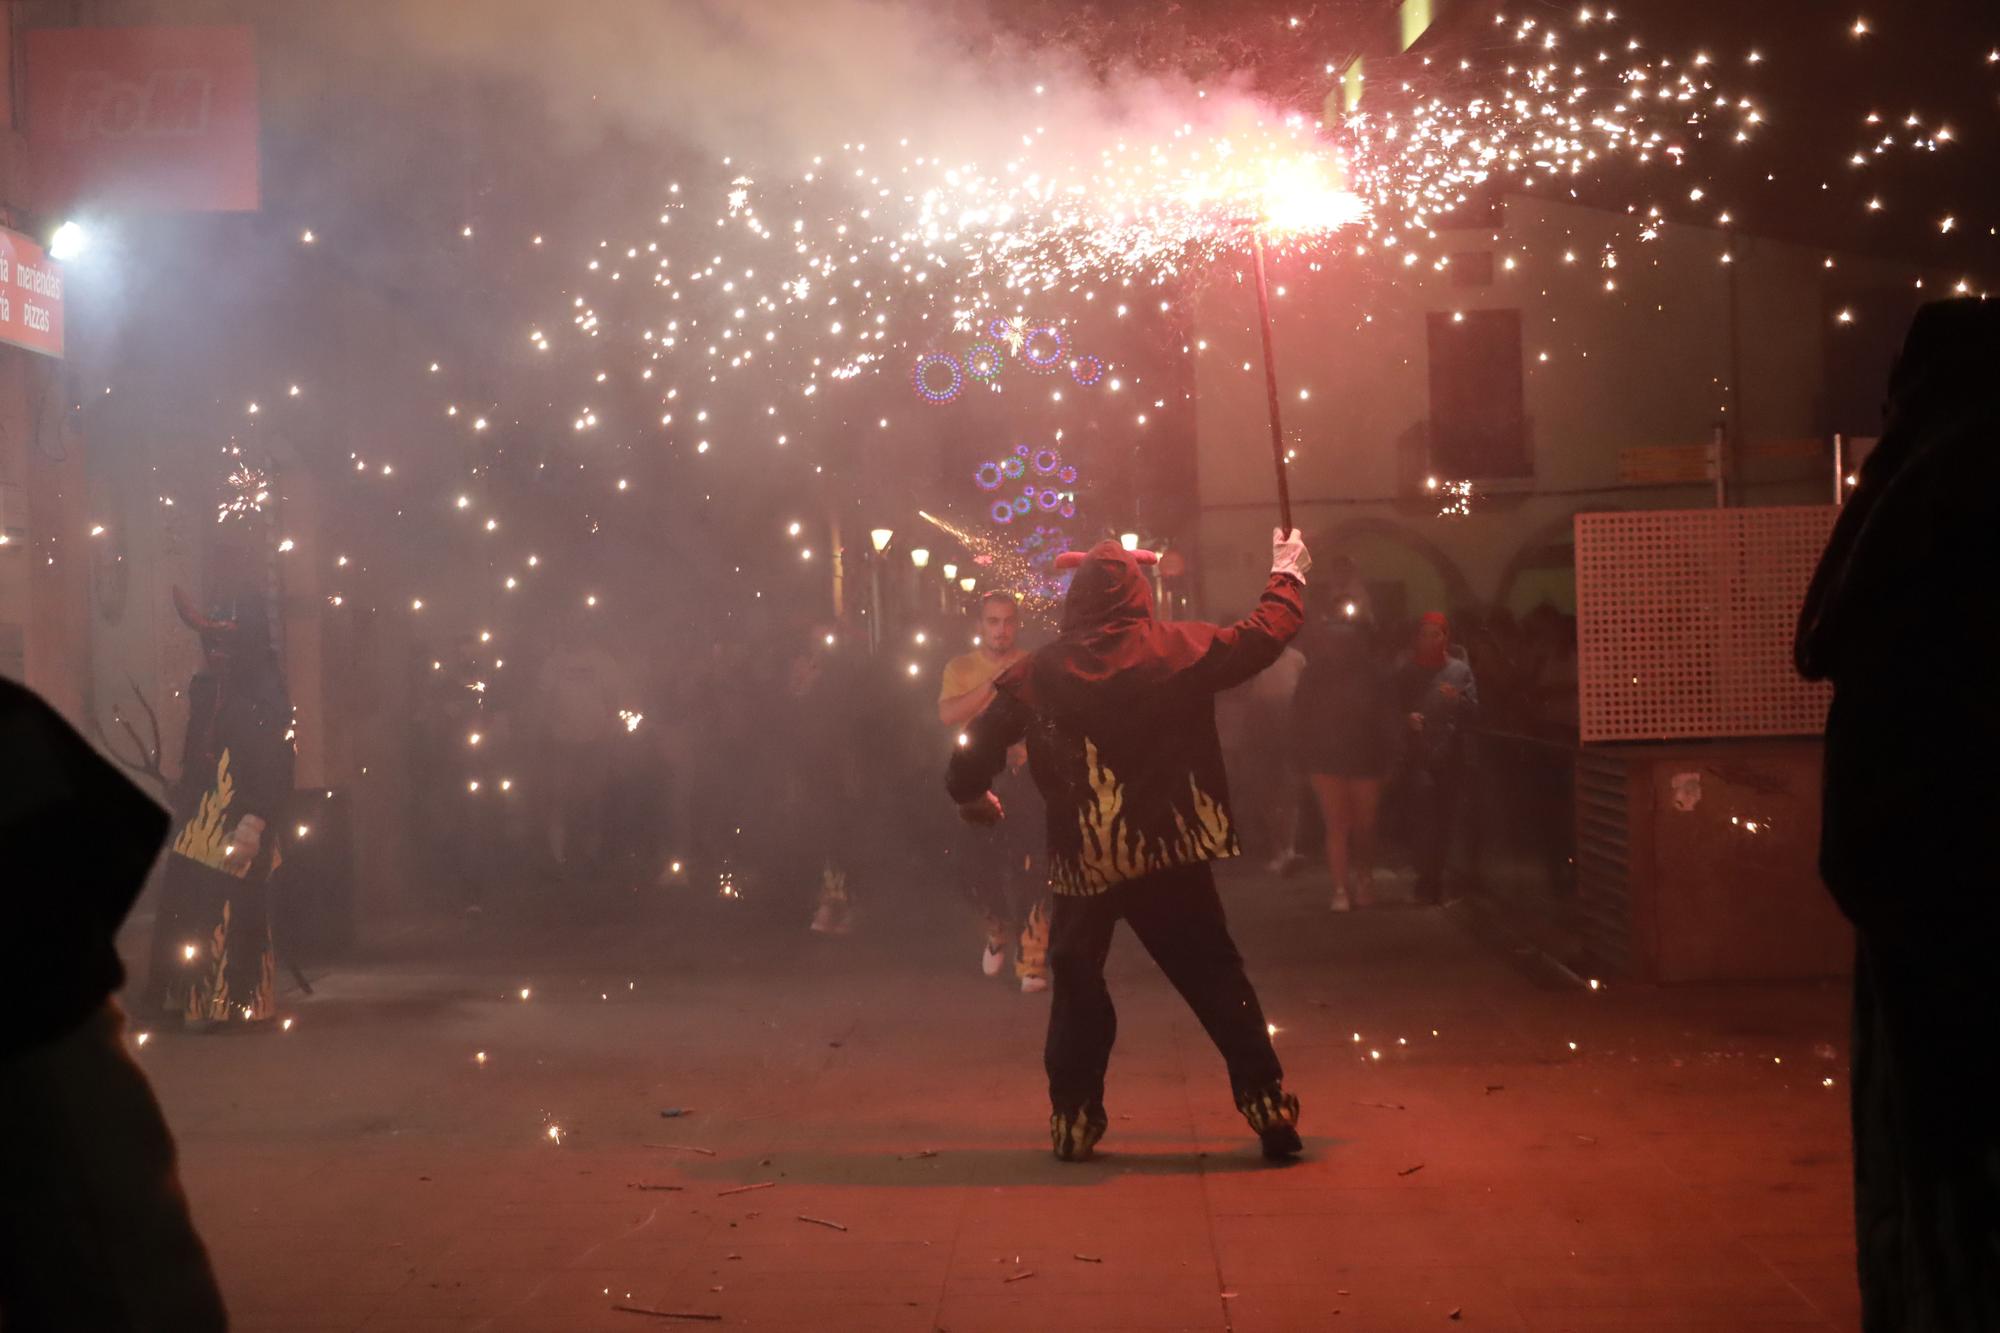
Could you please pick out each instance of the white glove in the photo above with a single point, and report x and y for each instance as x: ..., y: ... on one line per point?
x: 1289, y: 554
x: 240, y: 853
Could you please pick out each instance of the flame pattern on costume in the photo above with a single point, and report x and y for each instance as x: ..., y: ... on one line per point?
x: 205, y: 838
x: 1074, y: 1134
x: 1033, y: 958
x: 833, y: 886
x: 1112, y: 851
x: 1267, y: 1108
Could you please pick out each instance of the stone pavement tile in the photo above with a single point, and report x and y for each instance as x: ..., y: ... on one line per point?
x: 1017, y: 1307
x: 582, y: 1301
x: 1706, y: 1289
x: 1060, y: 1274
x: 547, y: 1246
x: 463, y: 1294
x: 1607, y: 1185
x: 337, y: 1287
x: 1133, y: 1252
x: 1252, y: 1187
x: 775, y: 1258
x: 271, y: 1313
x: 1058, y: 1277
x: 1399, y: 1200
x: 1673, y: 1317
x: 808, y: 1312
x: 1290, y: 1249
x: 1369, y: 1299
x: 1532, y: 1236
x: 1830, y: 1241
x: 1830, y: 1285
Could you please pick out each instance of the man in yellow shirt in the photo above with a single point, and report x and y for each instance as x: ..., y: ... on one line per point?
x: 998, y: 867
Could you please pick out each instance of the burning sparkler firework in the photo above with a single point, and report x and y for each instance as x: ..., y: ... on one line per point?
x: 811, y: 277
x: 744, y: 314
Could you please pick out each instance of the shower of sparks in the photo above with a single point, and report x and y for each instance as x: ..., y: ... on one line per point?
x: 744, y: 316
x: 249, y: 490
x: 854, y: 261
x: 1454, y: 497
x: 1003, y: 565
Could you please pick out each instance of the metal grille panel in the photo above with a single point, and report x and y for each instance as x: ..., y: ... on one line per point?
x: 1685, y: 618
x: 1604, y: 861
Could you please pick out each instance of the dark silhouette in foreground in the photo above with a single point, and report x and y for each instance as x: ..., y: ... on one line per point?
x: 94, y: 1231
x: 1900, y: 618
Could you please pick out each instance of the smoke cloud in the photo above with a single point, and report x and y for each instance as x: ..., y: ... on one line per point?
x: 778, y: 81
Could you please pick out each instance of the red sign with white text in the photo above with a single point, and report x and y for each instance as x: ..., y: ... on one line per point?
x: 143, y: 119
x: 31, y: 296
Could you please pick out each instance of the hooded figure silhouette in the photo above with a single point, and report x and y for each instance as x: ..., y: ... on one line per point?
x: 1899, y: 619
x: 1119, y: 717
x: 94, y: 1229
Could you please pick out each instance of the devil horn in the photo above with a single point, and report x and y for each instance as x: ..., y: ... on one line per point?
x: 193, y: 618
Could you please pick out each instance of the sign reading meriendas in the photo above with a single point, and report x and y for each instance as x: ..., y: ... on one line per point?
x: 31, y: 296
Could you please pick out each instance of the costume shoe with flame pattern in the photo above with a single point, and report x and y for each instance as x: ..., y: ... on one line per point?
x: 1274, y: 1114
x: 1074, y: 1134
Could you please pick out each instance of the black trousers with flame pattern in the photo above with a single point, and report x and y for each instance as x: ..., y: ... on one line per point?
x: 1178, y: 917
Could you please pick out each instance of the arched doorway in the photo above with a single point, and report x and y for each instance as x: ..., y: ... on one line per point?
x: 1406, y: 573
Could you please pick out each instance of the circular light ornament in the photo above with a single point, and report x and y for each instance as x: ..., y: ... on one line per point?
x: 1042, y: 349
x: 927, y: 379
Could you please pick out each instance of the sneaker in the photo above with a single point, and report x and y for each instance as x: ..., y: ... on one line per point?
x: 1341, y: 902
x: 1274, y: 1114
x: 1074, y: 1134
x: 1034, y: 985
x: 1284, y: 864
x: 830, y: 919
x: 993, y: 959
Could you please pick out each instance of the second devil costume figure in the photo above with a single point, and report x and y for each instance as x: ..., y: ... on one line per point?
x: 212, y: 961
x: 1119, y: 716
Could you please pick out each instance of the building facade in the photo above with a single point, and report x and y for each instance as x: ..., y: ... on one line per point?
x: 1446, y: 419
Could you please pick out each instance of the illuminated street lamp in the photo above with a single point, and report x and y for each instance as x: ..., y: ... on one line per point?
x: 1129, y: 540
x: 68, y: 241
x: 920, y: 557
x: 881, y: 537
x: 968, y: 583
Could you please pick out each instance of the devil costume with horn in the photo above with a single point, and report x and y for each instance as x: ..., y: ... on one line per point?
x: 1119, y: 716
x: 212, y: 960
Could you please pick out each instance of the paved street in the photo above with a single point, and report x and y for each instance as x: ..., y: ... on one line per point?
x: 864, y: 1144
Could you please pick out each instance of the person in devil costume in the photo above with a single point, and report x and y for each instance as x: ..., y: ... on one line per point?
x: 1119, y: 717
x: 212, y: 961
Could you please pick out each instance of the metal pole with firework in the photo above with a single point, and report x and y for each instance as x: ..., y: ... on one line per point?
x: 1297, y: 196
x: 1271, y: 382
